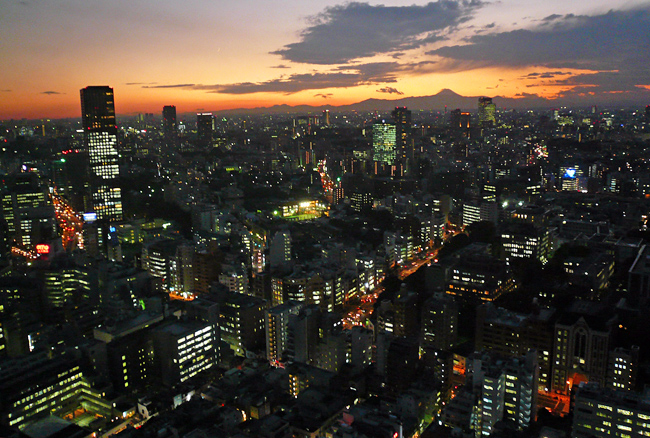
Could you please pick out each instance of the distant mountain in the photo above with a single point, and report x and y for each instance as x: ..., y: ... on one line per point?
x: 437, y: 102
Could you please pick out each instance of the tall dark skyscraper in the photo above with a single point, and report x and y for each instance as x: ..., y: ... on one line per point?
x: 404, y: 151
x: 100, y: 141
x: 169, y: 122
x: 204, y: 128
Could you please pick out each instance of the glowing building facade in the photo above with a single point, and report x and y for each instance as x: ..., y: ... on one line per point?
x: 486, y: 112
x: 100, y: 138
x: 384, y: 142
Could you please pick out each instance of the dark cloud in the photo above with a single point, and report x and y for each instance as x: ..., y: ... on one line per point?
x: 546, y: 75
x: 390, y: 90
x: 484, y: 29
x: 617, y: 40
x: 6, y: 91
x: 140, y: 83
x: 551, y: 17
x: 51, y: 92
x: 169, y: 86
x: 280, y: 66
x: 324, y: 96
x: 362, y: 75
x: 355, y: 30
x: 372, y: 73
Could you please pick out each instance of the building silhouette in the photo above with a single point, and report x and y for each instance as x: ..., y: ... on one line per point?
x: 170, y: 127
x: 204, y: 128
x: 100, y: 140
x: 404, y: 149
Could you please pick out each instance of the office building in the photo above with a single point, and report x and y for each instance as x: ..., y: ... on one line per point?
x: 480, y: 277
x: 459, y: 120
x: 182, y: 349
x: 280, y: 250
x: 511, y: 334
x: 439, y: 322
x: 406, y: 310
x: 67, y: 285
x: 242, y: 322
x: 204, y: 129
x: 505, y: 390
x: 479, y: 211
x: 526, y: 241
x: 622, y: 368
x: 27, y: 211
x: 384, y: 142
x: 401, y: 363
x: 486, y: 112
x: 404, y: 149
x: 100, y: 138
x: 129, y: 350
x: 601, y: 412
x: 34, y: 387
x: 277, y: 329
x: 169, y: 122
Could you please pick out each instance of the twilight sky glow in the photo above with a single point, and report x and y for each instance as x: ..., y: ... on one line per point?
x: 212, y: 55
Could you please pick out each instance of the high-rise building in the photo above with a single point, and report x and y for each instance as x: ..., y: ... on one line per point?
x: 384, y: 138
x: 100, y: 138
x: 280, y: 249
x: 486, y: 112
x: 169, y: 122
x: 242, y: 322
x: 439, y: 322
x: 204, y: 128
x: 26, y: 211
x: 506, y: 389
x: 402, y: 118
x: 183, y: 349
x: 277, y: 329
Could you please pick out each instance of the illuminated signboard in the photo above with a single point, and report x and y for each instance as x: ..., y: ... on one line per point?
x: 43, y: 248
x: 90, y: 217
x: 570, y: 173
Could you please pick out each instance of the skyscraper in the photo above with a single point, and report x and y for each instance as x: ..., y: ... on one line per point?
x: 404, y: 152
x: 169, y: 122
x: 204, y: 128
x: 100, y: 141
x: 486, y: 112
x: 384, y: 137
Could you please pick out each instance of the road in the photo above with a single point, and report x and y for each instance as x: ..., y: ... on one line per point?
x: 70, y: 222
x: 360, y: 309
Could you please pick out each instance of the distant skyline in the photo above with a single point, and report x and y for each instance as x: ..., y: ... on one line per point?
x: 204, y: 55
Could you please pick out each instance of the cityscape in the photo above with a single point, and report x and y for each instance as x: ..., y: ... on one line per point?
x: 427, y: 221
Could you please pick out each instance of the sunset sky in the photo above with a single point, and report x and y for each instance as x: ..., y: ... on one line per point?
x: 215, y: 54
